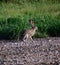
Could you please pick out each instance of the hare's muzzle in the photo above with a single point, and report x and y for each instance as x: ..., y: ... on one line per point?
x: 36, y: 28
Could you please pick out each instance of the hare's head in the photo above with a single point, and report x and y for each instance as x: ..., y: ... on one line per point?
x: 31, y: 22
x: 35, y: 28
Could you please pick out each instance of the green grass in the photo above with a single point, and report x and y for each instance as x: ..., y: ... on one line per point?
x: 14, y: 18
x: 12, y: 28
x: 15, y: 10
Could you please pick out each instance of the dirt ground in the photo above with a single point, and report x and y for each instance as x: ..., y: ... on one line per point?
x: 42, y: 51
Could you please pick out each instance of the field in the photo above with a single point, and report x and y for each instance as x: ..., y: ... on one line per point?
x: 45, y: 47
x: 14, y: 18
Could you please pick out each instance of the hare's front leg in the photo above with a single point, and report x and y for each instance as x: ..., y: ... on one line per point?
x: 31, y: 39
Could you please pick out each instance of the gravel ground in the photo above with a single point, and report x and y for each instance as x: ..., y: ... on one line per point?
x: 43, y: 51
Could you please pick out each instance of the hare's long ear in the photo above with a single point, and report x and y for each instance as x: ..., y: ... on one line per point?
x: 31, y: 23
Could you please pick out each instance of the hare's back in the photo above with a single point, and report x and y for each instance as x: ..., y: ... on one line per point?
x: 30, y: 32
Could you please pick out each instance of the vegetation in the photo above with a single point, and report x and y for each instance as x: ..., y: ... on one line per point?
x: 14, y: 16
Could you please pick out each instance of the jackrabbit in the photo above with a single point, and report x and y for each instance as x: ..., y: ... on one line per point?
x: 30, y: 32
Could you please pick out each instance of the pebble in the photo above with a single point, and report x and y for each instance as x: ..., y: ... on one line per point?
x: 1, y: 62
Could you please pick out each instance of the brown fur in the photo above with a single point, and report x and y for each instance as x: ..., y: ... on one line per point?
x: 30, y: 32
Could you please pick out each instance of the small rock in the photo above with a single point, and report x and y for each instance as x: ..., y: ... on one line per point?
x: 50, y: 40
x: 1, y: 62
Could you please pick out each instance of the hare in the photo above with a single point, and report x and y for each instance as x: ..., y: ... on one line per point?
x: 30, y: 32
